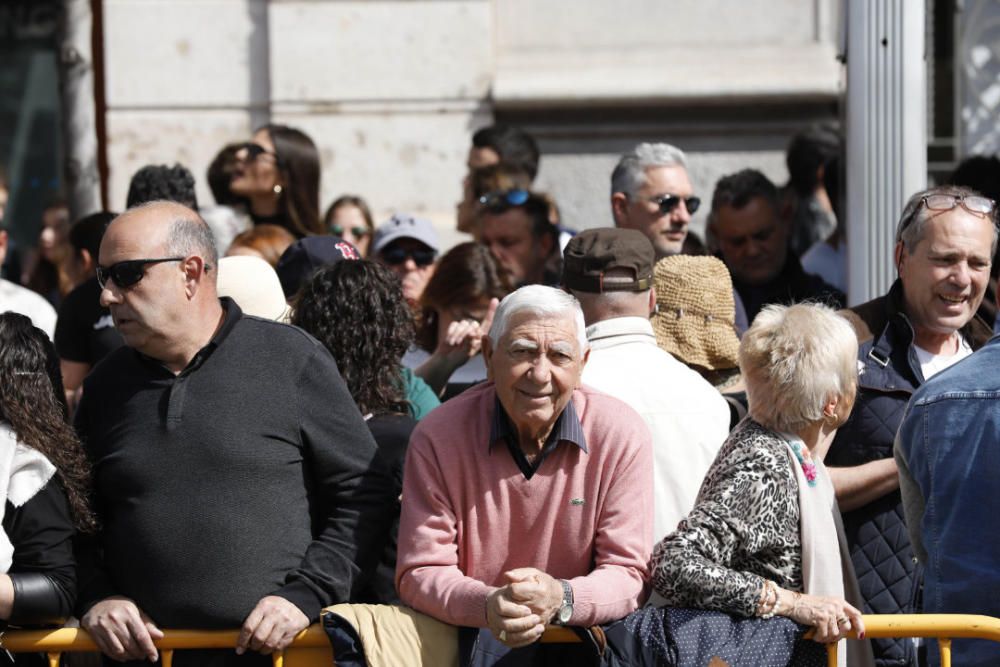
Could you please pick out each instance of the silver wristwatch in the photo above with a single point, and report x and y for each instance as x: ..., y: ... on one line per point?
x: 565, y: 612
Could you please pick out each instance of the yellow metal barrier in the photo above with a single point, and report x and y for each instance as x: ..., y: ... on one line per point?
x: 943, y: 627
x: 311, y: 648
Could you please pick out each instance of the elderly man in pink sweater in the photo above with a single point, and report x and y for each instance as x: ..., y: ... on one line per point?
x: 528, y: 500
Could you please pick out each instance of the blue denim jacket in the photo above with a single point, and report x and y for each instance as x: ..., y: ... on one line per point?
x: 948, y: 448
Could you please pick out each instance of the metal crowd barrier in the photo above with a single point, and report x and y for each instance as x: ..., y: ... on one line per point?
x: 312, y: 649
x: 943, y: 627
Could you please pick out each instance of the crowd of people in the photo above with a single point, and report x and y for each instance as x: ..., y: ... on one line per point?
x: 234, y: 416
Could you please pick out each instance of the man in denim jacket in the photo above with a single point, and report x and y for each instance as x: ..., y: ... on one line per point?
x: 948, y: 454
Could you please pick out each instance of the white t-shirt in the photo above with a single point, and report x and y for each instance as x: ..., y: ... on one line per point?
x: 931, y: 364
x: 14, y: 298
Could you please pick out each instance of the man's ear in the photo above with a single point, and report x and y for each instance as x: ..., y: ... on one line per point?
x: 194, y: 268
x: 619, y: 207
x: 897, y: 256
x: 87, y: 264
x: 547, y: 243
x: 487, y: 350
x: 652, y: 301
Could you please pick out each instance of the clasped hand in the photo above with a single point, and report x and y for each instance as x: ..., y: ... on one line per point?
x: 518, y: 612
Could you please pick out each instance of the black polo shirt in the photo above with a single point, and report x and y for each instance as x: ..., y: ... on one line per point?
x: 250, y: 473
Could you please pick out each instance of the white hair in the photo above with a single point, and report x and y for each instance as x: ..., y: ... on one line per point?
x: 630, y: 172
x: 794, y: 359
x: 539, y: 300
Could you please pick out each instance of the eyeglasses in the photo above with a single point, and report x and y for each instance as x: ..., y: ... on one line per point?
x: 395, y: 256
x: 504, y: 198
x: 357, y: 231
x: 128, y: 273
x: 972, y: 203
x: 254, y: 151
x: 667, y: 203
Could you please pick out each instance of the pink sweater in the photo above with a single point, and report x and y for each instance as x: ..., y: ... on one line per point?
x: 469, y: 515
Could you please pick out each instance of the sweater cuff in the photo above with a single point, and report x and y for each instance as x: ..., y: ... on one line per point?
x: 304, y: 597
x: 471, y: 605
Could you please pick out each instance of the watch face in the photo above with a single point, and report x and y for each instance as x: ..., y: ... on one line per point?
x: 565, y: 612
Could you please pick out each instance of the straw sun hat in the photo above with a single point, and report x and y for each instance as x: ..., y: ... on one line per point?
x: 695, y: 321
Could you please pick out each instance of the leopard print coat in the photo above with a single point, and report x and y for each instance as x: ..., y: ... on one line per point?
x: 744, y: 528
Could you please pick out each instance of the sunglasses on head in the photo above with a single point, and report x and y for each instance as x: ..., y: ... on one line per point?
x: 128, y: 273
x: 504, y: 198
x: 254, y: 151
x: 358, y: 231
x: 667, y: 203
x: 420, y: 256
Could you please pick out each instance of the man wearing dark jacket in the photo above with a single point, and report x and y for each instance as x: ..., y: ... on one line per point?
x: 235, y: 480
x: 752, y: 238
x: 944, y: 244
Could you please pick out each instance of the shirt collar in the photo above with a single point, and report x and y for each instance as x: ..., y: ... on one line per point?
x: 621, y: 326
x: 231, y: 315
x: 567, y: 427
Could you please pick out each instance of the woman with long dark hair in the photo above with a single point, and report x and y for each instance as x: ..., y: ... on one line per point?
x: 356, y: 309
x: 45, y: 476
x: 455, y: 311
x: 278, y: 174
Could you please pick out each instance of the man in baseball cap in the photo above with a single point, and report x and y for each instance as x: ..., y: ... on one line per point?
x: 409, y: 246
x: 610, y: 271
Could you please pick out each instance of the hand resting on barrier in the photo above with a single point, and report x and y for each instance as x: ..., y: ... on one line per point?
x: 121, y: 630
x: 271, y: 626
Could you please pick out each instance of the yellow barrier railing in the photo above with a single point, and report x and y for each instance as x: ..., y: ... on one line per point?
x: 56, y: 642
x: 943, y: 627
x: 312, y: 648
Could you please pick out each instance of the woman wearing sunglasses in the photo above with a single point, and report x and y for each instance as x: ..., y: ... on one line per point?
x: 44, y: 476
x: 350, y: 218
x: 278, y: 174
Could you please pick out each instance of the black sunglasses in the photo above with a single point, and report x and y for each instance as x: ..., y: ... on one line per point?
x: 254, y: 151
x: 667, y: 203
x: 421, y: 256
x: 128, y: 273
x: 358, y: 231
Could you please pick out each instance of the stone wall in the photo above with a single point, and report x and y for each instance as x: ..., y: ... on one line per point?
x: 391, y: 90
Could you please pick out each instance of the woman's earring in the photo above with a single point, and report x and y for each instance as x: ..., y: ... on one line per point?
x: 277, y: 189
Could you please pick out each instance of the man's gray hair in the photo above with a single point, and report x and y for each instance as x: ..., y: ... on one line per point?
x: 913, y: 219
x: 630, y: 173
x: 542, y: 301
x: 794, y: 359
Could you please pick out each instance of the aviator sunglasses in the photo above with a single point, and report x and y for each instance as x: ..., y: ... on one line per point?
x: 128, y: 273
x: 667, y: 203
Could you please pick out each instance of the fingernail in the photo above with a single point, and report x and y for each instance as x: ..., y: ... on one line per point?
x: 861, y: 636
